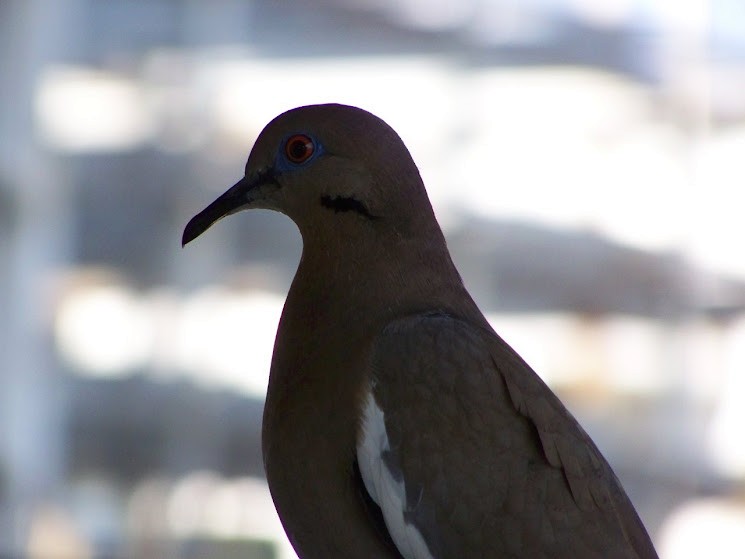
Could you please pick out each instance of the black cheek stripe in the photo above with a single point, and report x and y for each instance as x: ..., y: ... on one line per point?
x: 346, y: 204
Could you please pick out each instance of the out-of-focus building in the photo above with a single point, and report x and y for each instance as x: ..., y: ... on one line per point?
x: 584, y: 159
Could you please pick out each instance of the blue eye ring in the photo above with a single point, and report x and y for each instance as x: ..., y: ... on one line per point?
x: 299, y: 148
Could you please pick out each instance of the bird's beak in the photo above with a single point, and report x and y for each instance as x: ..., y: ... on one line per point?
x: 236, y: 198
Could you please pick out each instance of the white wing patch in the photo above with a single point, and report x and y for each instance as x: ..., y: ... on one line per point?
x: 389, y: 494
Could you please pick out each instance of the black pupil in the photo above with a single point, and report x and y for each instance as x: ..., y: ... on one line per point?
x: 299, y: 149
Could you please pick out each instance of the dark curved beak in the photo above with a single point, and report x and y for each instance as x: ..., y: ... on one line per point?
x: 236, y: 198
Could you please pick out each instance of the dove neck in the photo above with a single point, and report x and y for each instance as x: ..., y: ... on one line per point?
x: 344, y: 277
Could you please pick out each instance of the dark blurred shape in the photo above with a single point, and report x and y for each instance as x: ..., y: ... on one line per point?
x: 132, y: 427
x: 531, y: 268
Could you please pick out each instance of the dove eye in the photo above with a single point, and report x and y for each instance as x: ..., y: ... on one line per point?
x: 299, y: 148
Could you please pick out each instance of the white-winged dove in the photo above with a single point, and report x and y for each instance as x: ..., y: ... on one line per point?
x: 397, y: 422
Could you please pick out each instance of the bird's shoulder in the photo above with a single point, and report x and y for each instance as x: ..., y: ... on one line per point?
x: 475, y: 438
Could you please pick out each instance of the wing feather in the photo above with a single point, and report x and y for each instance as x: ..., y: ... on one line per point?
x: 491, y: 463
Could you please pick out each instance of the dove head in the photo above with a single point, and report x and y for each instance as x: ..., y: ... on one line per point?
x: 336, y: 171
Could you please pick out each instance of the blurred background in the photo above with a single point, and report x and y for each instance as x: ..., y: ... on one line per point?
x: 584, y: 158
